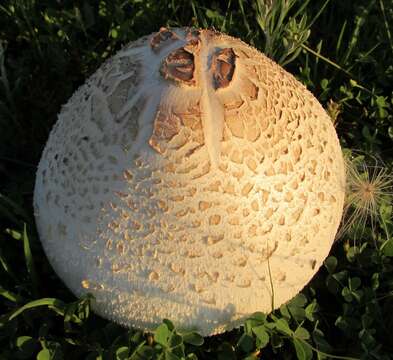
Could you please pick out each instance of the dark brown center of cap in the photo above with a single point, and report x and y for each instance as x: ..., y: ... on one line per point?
x: 179, y: 66
x: 223, y: 67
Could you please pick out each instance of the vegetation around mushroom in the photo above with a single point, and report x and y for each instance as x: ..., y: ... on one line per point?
x: 341, y: 51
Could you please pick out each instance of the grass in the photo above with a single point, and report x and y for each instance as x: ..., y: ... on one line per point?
x: 340, y: 50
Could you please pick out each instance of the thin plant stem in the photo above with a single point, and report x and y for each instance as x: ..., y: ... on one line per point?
x: 382, y: 6
x: 270, y: 276
x: 384, y: 226
x: 330, y: 62
x: 318, y: 14
x: 330, y: 356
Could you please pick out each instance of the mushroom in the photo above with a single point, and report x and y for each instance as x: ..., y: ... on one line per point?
x: 189, y: 178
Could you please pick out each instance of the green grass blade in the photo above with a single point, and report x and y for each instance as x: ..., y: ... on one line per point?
x: 6, y: 203
x: 246, y: 24
x: 340, y: 37
x: 385, y: 20
x: 301, y: 9
x: 359, y: 22
x: 17, y: 162
x: 6, y: 267
x: 50, y: 302
x: 7, y: 214
x: 9, y: 295
x: 291, y: 58
x: 364, y: 55
x: 327, y: 60
x: 7, y: 12
x: 223, y: 25
x: 316, y: 62
x: 29, y: 261
x: 318, y: 14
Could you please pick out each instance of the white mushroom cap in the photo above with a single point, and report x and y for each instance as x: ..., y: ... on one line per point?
x: 186, y: 165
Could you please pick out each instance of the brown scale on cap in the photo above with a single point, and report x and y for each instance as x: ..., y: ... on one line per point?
x: 179, y: 66
x: 223, y: 67
x: 160, y: 39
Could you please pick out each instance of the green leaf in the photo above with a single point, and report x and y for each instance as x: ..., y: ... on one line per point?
x: 346, y: 323
x: 332, y: 285
x: 283, y: 327
x: 276, y: 341
x: 122, y: 353
x: 175, y: 340
x: 324, y: 84
x: 23, y: 340
x: 191, y: 357
x: 78, y: 311
x: 390, y: 132
x: 14, y: 234
x: 330, y: 264
x: 303, y: 351
x: 386, y: 210
x: 284, y: 311
x: 375, y: 281
x: 26, y: 347
x: 55, y: 350
x: 319, y: 339
x: 262, y: 336
x: 297, y: 313
x: 354, y: 283
x: 136, y: 338
x: 162, y: 334
x: 171, y: 356
x: 347, y: 294
x: 352, y: 253
x: 357, y: 294
x: 226, y: 352
x: 256, y: 319
x: 169, y: 324
x: 310, y: 310
x: 44, y: 354
x: 381, y: 102
x: 302, y: 333
x: 341, y: 276
x: 367, y: 338
x: 193, y: 338
x: 143, y: 352
x: 113, y: 33
x: 387, y: 248
x: 300, y: 300
x: 250, y: 357
x: 367, y: 321
x: 246, y: 343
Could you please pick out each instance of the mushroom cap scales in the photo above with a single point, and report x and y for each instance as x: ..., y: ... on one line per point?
x: 186, y: 166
